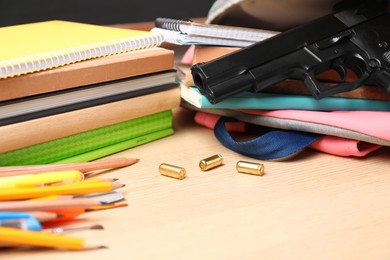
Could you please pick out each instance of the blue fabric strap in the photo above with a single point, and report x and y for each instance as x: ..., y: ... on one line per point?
x: 273, y: 145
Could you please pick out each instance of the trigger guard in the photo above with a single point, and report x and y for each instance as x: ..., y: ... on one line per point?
x: 320, y: 91
x: 340, y: 68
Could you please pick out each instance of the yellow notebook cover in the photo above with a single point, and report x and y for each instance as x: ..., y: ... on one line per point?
x: 38, y: 46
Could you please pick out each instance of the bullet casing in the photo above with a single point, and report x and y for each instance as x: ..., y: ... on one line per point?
x: 211, y: 162
x: 172, y: 171
x: 250, y: 168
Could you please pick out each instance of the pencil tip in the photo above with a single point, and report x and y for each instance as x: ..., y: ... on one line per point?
x: 90, y: 247
x: 115, y: 179
x: 97, y: 226
x: 134, y: 160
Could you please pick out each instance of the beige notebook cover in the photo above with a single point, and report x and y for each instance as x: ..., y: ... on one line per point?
x: 87, y: 72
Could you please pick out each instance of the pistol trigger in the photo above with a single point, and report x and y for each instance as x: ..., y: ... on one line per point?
x: 341, y: 69
x: 312, y: 84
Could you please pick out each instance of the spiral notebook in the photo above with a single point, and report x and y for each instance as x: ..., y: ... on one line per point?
x: 185, y: 39
x: 213, y: 30
x: 43, y: 45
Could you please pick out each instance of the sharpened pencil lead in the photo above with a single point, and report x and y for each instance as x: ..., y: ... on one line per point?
x: 90, y: 247
x: 97, y: 226
x: 117, y: 185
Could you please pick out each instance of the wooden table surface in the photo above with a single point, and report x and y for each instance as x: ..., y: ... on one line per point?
x: 316, y: 206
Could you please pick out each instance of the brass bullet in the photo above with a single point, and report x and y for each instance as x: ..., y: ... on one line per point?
x: 172, y: 171
x: 211, y: 162
x: 250, y: 168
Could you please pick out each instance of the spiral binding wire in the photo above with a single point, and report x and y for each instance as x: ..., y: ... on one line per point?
x: 19, y: 66
x: 170, y: 24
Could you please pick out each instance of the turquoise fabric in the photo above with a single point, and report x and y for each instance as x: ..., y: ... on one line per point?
x: 267, y: 101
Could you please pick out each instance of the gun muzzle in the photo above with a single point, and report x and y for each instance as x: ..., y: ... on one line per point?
x: 217, y: 89
x: 199, y: 77
x: 228, y: 88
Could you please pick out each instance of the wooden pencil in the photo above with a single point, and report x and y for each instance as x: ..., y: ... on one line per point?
x: 83, y: 167
x: 59, y: 230
x: 39, y: 205
x: 67, y: 214
x: 98, y: 179
x: 44, y: 216
x: 106, y: 206
x: 42, y: 239
x: 66, y: 189
x: 90, y: 180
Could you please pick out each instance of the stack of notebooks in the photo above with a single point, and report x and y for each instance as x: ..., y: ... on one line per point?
x: 73, y: 92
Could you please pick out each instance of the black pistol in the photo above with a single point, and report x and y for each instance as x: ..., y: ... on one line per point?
x: 356, y: 39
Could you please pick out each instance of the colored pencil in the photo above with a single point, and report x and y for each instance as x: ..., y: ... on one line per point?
x: 106, y: 206
x: 59, y: 230
x: 39, y: 205
x: 66, y: 189
x: 83, y: 167
x: 44, y: 216
x: 42, y: 239
x: 67, y: 214
x: 39, y: 179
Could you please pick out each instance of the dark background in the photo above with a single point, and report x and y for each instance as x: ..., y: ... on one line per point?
x: 99, y: 11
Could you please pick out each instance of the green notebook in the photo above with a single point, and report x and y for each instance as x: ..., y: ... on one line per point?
x: 111, y: 149
x: 94, y: 143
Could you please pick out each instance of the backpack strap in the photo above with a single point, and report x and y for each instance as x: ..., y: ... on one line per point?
x: 273, y: 145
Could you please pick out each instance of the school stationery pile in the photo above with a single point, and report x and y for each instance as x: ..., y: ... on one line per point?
x: 33, y: 198
x: 77, y: 92
x: 332, y: 124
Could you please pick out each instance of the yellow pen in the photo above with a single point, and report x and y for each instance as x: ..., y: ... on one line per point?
x: 38, y: 179
x: 66, y: 189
